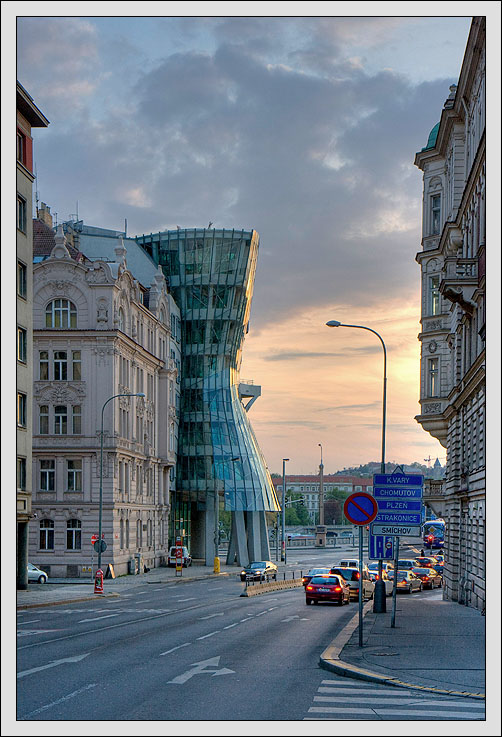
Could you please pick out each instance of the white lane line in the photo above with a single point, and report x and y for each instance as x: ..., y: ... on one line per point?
x: 95, y: 619
x: 141, y: 593
x: 209, y: 635
x: 229, y: 626
x: 61, y: 700
x: 396, y: 712
x: 265, y: 612
x: 406, y: 701
x: 347, y: 691
x: 215, y: 588
x: 210, y: 616
x: 31, y: 621
x: 192, y: 598
x: 185, y: 644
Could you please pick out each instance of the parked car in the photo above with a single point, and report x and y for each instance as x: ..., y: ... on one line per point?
x: 406, y: 581
x: 388, y: 582
x: 36, y: 575
x: 406, y: 564
x: 429, y: 577
x: 426, y: 561
x: 352, y: 575
x: 187, y: 558
x: 261, y: 570
x: 314, y: 572
x: 327, y: 588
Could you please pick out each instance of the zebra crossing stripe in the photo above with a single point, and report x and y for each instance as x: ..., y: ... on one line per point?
x: 405, y: 700
x: 396, y: 712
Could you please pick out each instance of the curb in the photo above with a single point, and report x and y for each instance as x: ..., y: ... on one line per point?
x: 65, y: 601
x: 330, y: 660
x: 264, y: 588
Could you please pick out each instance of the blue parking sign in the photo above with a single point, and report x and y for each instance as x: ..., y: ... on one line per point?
x: 381, y: 547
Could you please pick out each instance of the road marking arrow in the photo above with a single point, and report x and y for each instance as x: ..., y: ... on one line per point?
x: 290, y: 619
x: 203, y: 666
x: 74, y: 659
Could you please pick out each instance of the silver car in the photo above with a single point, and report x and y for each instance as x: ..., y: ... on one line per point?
x: 352, y: 575
x: 36, y: 575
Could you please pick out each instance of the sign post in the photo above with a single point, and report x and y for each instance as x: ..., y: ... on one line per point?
x: 360, y: 509
x: 179, y: 556
x: 399, y: 499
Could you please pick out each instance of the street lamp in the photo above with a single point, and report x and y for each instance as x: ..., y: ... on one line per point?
x: 100, y: 542
x: 283, y: 533
x: 321, y: 489
x: 379, y: 597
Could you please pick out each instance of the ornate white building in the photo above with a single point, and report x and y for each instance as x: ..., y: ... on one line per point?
x: 99, y: 332
x: 452, y: 261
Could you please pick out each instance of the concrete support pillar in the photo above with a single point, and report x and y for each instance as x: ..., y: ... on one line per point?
x: 209, y: 532
x: 248, y: 538
x: 253, y: 535
x: 265, y: 547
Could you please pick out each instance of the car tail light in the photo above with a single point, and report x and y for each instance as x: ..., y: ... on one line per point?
x: 425, y: 578
x: 355, y: 576
x: 337, y: 588
x: 309, y: 588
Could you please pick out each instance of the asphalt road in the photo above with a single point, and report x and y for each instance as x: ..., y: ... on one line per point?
x: 195, y: 651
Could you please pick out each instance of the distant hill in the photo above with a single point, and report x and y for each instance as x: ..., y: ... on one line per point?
x: 368, y: 469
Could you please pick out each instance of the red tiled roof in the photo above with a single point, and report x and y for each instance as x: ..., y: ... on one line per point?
x: 328, y: 479
x: 44, y: 240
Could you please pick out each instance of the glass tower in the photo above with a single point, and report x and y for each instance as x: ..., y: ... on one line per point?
x: 211, y: 276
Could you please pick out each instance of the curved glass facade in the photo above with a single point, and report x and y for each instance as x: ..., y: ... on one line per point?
x: 211, y: 276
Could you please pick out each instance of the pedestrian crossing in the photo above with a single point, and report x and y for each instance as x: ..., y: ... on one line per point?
x: 339, y: 699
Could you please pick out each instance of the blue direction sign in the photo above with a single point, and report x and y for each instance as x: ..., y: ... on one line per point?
x: 381, y: 547
x: 399, y: 499
x: 398, y: 479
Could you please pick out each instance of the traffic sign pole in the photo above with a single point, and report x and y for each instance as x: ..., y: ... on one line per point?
x: 360, y: 586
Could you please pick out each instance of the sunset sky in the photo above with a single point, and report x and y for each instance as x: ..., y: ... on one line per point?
x: 304, y: 128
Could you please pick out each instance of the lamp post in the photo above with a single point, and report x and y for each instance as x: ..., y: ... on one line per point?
x: 100, y: 542
x: 283, y: 533
x: 379, y: 597
x: 321, y: 489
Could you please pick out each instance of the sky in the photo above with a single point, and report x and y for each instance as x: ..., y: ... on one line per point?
x: 304, y: 128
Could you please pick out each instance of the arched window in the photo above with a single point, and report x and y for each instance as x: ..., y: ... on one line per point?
x: 121, y: 320
x: 162, y: 316
x: 73, y: 534
x: 60, y: 313
x: 46, y: 534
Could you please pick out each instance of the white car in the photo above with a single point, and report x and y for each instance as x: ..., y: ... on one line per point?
x: 36, y: 575
x: 351, y: 563
x: 187, y: 558
x: 373, y: 568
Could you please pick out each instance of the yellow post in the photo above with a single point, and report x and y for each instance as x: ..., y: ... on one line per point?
x: 216, y: 565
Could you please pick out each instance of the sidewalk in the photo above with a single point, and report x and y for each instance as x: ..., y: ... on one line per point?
x: 67, y: 590
x: 436, y: 645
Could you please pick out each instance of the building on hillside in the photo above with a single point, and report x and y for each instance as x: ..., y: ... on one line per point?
x: 99, y: 332
x: 452, y: 263
x: 28, y: 116
x: 308, y: 488
x: 211, y: 274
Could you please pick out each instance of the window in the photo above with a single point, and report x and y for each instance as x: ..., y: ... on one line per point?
x: 22, y: 345
x: 127, y: 533
x: 21, y: 147
x: 22, y: 275
x: 60, y: 366
x: 76, y: 360
x: 74, y: 475
x: 46, y: 534
x: 21, y: 409
x: 60, y: 313
x: 60, y: 420
x: 434, y: 304
x: 21, y: 213
x: 433, y: 371
x: 73, y: 534
x: 121, y: 320
x: 435, y: 214
x: 76, y: 419
x: 139, y: 534
x: 21, y: 474
x: 47, y: 475
x: 149, y: 532
x: 44, y: 419
x: 43, y: 365
x: 121, y: 534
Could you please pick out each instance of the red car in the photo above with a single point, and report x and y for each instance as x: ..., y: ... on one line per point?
x: 327, y: 588
x: 426, y: 561
x: 429, y: 577
x: 314, y: 572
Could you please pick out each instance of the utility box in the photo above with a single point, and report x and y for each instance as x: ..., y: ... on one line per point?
x: 320, y: 536
x: 140, y: 563
x: 133, y: 566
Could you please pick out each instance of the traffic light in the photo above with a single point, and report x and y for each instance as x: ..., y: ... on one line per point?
x: 302, y: 502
